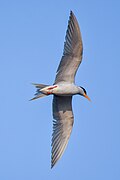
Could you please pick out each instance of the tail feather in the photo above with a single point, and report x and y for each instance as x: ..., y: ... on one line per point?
x: 40, y: 86
x: 38, y: 94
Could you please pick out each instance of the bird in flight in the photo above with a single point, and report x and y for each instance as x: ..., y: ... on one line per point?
x: 64, y: 88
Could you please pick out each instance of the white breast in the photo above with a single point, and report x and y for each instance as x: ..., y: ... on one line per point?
x: 65, y: 90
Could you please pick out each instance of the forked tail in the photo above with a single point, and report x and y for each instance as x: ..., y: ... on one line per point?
x: 38, y: 93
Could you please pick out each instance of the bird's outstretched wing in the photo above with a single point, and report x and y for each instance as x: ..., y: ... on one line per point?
x: 72, y: 54
x: 62, y: 125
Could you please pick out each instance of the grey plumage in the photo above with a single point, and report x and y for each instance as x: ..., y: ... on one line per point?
x: 38, y: 93
x: 72, y: 54
x: 62, y: 125
x: 62, y: 108
x: 64, y: 88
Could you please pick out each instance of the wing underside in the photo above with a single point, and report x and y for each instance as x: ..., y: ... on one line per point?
x: 62, y: 126
x: 72, y: 54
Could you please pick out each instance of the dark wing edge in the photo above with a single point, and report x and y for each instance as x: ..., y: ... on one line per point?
x: 73, y: 41
x: 62, y: 126
x: 72, y: 53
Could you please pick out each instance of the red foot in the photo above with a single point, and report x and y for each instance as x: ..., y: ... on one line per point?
x: 48, y: 93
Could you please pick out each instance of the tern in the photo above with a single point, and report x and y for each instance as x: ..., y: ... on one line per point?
x: 64, y: 88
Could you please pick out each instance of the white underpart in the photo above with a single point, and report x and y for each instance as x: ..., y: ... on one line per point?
x: 64, y: 89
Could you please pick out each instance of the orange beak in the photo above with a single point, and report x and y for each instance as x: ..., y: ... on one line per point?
x: 87, y: 97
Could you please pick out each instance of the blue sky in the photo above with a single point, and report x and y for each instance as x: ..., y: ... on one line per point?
x: 32, y: 35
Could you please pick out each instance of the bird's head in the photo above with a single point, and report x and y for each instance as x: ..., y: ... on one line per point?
x: 83, y: 92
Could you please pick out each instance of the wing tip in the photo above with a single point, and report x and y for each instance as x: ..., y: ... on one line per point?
x: 53, y: 161
x: 72, y: 15
x: 52, y: 165
x: 71, y: 12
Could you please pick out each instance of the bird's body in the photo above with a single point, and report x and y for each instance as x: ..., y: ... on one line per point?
x: 61, y: 89
x: 64, y: 88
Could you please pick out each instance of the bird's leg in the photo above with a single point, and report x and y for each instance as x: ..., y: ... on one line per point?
x: 48, y: 90
x: 52, y: 87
